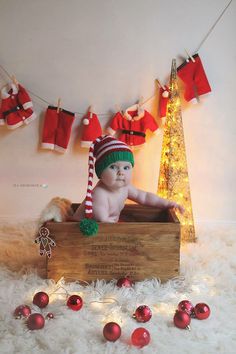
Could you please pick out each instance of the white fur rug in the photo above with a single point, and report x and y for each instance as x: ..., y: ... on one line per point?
x: 208, y: 274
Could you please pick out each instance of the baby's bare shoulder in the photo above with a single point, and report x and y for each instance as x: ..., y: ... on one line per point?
x: 99, y: 192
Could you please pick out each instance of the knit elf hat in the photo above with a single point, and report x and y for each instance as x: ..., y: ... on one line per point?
x: 106, y: 150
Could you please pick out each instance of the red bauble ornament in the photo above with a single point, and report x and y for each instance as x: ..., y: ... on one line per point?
x: 75, y: 302
x: 35, y: 321
x: 22, y: 311
x: 112, y: 331
x: 140, y: 337
x: 50, y: 316
x: 186, y: 306
x: 41, y: 299
x: 126, y: 282
x: 143, y: 313
x: 181, y: 319
x: 202, y: 311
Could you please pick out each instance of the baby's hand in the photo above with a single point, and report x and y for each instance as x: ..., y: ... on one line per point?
x: 176, y: 206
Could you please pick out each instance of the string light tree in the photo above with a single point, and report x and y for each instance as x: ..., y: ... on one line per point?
x: 173, y: 177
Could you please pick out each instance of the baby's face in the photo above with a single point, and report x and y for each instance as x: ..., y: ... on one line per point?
x: 117, y: 175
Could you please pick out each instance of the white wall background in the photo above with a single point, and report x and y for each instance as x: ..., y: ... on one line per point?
x: 109, y: 52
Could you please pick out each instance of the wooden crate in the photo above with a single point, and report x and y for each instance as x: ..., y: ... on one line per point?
x: 145, y: 244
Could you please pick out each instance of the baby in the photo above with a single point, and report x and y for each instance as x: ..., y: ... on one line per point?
x: 113, y: 166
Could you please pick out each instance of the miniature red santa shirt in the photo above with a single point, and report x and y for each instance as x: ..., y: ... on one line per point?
x: 17, y: 107
x: 133, y: 125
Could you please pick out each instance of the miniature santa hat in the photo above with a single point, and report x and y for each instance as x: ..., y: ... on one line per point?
x: 163, y: 101
x: 106, y: 150
x: 91, y: 128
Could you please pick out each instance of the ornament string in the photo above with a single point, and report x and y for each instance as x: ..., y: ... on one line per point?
x: 68, y: 278
x: 66, y: 293
x: 106, y: 302
x: 78, y: 281
x: 151, y: 97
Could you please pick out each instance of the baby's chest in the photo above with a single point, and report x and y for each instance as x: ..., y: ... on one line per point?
x: 116, y: 204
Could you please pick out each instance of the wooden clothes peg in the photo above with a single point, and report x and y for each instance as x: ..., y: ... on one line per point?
x: 118, y: 108
x: 14, y: 80
x: 141, y: 101
x: 189, y: 56
x: 3, y: 86
x: 91, y: 111
x: 58, y: 105
x: 159, y: 84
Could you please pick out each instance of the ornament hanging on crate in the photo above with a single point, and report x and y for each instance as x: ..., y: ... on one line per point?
x: 45, y: 242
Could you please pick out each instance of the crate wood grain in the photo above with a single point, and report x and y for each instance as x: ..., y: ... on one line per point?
x: 145, y: 244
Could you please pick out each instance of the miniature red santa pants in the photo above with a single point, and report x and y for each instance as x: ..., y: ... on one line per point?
x: 57, y: 129
x: 194, y: 78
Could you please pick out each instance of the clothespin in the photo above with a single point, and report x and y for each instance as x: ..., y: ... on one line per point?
x: 2, y: 87
x: 58, y: 105
x: 189, y: 56
x: 141, y: 101
x: 91, y: 111
x: 88, y: 116
x: 118, y: 108
x: 159, y: 84
x: 15, y: 82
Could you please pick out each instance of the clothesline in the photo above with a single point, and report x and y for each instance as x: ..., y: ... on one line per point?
x: 78, y: 113
x: 213, y: 26
x: 149, y: 98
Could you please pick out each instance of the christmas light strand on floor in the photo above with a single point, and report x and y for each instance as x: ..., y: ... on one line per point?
x: 173, y: 177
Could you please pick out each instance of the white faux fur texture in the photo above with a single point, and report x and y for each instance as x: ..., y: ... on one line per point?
x: 207, y: 275
x: 18, y: 250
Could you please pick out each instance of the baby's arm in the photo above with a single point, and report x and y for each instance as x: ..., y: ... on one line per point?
x: 151, y: 199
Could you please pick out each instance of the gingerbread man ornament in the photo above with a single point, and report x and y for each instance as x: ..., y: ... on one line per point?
x: 45, y: 242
